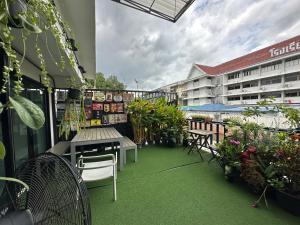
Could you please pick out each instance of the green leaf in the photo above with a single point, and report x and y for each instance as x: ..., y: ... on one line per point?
x: 28, y: 26
x: 1, y: 107
x: 2, y: 15
x: 2, y: 150
x: 29, y: 113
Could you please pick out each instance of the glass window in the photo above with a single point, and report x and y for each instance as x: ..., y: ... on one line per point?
x: 2, y: 167
x: 250, y: 84
x: 234, y: 98
x: 291, y: 94
x: 39, y: 136
x: 270, y: 81
x: 26, y: 141
x: 293, y: 77
x: 272, y: 94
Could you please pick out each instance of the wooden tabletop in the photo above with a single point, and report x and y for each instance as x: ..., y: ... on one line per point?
x: 94, y: 134
x: 201, y: 132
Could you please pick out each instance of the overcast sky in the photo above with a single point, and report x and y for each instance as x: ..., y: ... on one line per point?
x: 134, y: 45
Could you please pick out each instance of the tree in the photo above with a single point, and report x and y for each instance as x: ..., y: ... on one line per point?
x: 111, y: 83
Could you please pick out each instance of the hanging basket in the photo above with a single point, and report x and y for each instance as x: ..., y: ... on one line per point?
x: 74, y: 94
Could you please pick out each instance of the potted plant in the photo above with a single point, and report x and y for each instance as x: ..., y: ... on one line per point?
x: 230, y: 150
x: 288, y: 170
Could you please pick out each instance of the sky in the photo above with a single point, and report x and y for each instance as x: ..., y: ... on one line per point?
x: 135, y: 45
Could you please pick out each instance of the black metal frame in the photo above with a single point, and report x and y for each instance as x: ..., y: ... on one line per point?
x: 138, y: 6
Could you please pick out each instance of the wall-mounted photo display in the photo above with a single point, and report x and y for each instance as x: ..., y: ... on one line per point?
x: 103, y: 108
x: 106, y: 108
x: 118, y: 97
x: 97, y: 106
x: 109, y: 96
x: 97, y: 114
x: 113, y: 107
x: 88, y: 113
x: 99, y: 96
x: 95, y: 122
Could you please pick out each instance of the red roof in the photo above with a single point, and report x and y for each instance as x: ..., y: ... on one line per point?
x: 282, y: 48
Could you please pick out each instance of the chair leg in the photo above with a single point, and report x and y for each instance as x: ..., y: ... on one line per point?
x: 135, y: 154
x: 125, y: 160
x: 115, y: 185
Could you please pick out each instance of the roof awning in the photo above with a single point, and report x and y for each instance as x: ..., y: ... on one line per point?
x: 170, y: 10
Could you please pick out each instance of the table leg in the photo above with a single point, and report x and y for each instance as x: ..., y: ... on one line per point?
x: 121, y: 156
x: 193, y: 143
x: 73, y: 154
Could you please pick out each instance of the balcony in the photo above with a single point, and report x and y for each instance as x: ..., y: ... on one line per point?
x: 292, y: 68
x: 170, y: 187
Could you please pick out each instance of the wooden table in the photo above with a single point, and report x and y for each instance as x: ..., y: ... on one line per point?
x: 90, y: 136
x: 200, y: 136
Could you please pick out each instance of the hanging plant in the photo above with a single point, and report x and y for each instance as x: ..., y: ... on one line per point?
x: 34, y: 18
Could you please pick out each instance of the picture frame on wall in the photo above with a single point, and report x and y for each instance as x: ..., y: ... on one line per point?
x: 97, y: 106
x: 120, y: 107
x: 109, y: 96
x: 95, y: 122
x: 99, y: 96
x: 118, y: 97
x: 88, y: 113
x: 106, y: 108
x: 105, y: 119
x: 113, y: 107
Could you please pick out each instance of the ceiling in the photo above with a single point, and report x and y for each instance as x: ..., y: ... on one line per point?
x: 170, y: 10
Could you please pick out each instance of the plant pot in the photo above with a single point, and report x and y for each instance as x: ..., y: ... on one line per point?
x: 231, y: 174
x: 290, y: 203
x: 15, y: 8
x: 171, y: 142
x: 74, y: 94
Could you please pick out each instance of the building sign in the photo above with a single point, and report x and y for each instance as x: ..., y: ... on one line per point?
x: 292, y: 47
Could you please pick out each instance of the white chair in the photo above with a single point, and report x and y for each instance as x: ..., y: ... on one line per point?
x: 94, y: 170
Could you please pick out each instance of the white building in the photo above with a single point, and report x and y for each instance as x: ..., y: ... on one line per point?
x: 271, y: 71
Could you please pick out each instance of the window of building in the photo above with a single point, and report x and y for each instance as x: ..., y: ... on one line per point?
x: 250, y: 72
x: 249, y: 97
x: 234, y: 98
x: 233, y: 76
x: 269, y: 81
x: 250, y: 84
x: 292, y: 77
x: 293, y: 61
x: 271, y: 94
x: 233, y: 87
x: 292, y: 94
x: 271, y: 67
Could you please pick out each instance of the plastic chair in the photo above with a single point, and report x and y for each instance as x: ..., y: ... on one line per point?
x: 95, y: 168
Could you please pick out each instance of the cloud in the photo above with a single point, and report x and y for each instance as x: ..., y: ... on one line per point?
x: 134, y: 45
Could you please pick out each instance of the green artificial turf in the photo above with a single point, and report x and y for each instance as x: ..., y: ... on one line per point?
x: 168, y: 187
